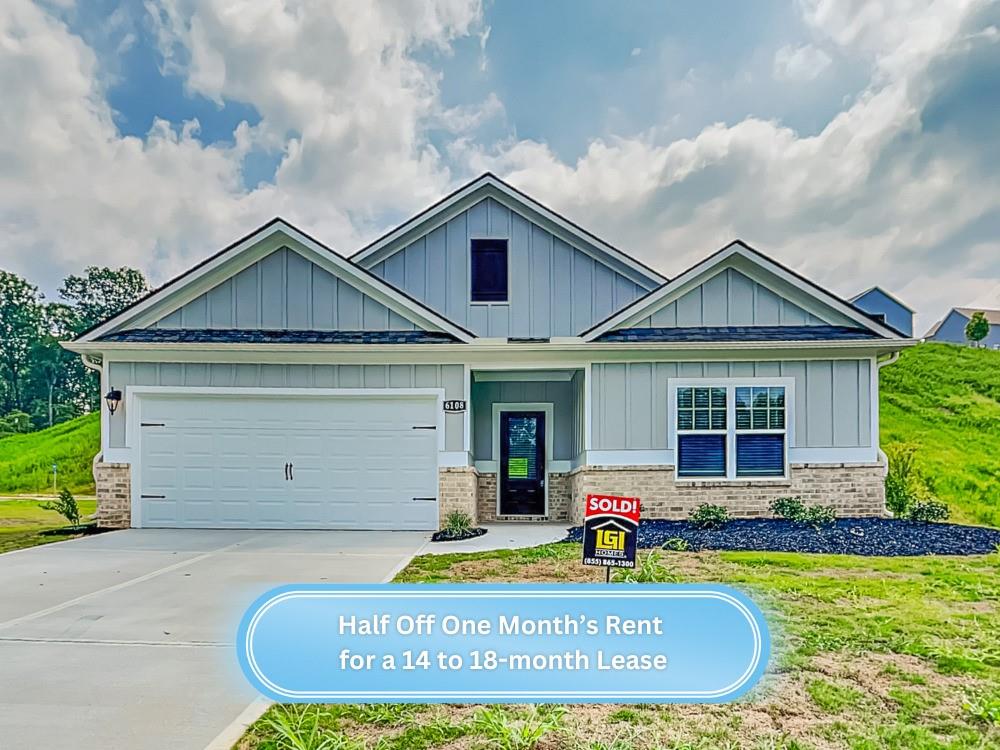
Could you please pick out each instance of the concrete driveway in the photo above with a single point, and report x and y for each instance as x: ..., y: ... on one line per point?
x: 125, y: 640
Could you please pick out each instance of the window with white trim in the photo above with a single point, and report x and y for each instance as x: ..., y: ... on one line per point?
x: 733, y: 431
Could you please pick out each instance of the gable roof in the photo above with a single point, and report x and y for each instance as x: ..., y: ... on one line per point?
x: 489, y: 185
x: 394, y: 298
x: 891, y: 296
x: 645, y: 305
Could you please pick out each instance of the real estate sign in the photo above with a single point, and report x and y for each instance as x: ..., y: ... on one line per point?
x: 610, y: 528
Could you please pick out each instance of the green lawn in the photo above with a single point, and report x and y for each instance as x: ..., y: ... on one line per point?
x: 22, y: 520
x: 870, y: 654
x: 26, y: 460
x: 946, y: 400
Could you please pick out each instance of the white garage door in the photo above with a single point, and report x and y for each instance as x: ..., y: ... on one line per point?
x: 288, y: 462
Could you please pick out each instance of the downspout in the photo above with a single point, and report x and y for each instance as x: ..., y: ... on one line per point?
x: 878, y: 367
x: 89, y: 363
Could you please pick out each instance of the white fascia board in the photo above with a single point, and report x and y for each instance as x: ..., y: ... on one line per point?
x: 693, y: 276
x: 206, y: 276
x: 489, y: 186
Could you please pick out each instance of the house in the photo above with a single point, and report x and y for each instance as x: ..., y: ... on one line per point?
x: 951, y: 328
x: 880, y: 303
x: 486, y: 356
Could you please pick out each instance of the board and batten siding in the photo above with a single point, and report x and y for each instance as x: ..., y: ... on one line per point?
x: 832, y: 406
x: 555, y: 288
x: 729, y: 298
x: 561, y: 394
x: 450, y: 377
x: 285, y: 291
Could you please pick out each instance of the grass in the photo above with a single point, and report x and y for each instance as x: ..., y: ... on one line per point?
x: 21, y: 522
x: 945, y: 399
x: 869, y: 654
x: 26, y: 460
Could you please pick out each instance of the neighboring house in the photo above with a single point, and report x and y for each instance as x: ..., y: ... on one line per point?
x: 878, y: 302
x: 951, y: 328
x: 487, y: 356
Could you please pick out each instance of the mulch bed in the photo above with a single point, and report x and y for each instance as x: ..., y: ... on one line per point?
x: 847, y: 536
x: 84, y: 530
x: 447, y: 536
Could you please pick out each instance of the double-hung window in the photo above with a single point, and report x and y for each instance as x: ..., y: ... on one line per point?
x: 731, y: 430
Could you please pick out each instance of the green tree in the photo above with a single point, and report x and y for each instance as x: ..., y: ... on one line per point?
x: 102, y: 293
x: 20, y: 329
x: 60, y: 386
x: 977, y: 328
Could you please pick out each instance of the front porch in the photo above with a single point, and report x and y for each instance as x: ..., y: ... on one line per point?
x: 526, y: 436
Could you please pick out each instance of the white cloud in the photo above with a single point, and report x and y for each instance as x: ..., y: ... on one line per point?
x: 802, y: 63
x: 636, y: 51
x: 870, y: 198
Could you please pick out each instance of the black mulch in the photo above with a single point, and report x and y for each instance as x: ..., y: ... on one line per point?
x: 447, y: 536
x: 848, y: 536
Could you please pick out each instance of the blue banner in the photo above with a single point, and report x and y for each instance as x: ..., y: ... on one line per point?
x: 503, y: 643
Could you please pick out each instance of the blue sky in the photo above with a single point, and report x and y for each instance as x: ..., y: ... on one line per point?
x: 854, y: 142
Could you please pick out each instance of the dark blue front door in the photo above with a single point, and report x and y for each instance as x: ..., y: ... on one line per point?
x: 522, y: 463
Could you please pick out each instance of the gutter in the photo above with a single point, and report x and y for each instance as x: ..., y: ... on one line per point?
x: 891, y: 345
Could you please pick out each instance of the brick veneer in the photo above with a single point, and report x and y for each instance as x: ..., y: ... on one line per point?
x: 114, y: 495
x: 853, y: 489
x: 457, y: 491
x: 560, y: 498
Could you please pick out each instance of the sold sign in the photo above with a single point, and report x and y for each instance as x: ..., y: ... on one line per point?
x: 610, y: 531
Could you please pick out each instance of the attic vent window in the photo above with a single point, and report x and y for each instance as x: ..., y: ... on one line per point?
x: 489, y: 270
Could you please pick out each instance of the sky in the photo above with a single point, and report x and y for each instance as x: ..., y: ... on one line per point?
x: 855, y: 141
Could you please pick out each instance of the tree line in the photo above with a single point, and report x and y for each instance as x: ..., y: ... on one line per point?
x: 42, y: 384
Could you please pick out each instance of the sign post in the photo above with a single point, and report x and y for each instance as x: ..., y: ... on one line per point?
x: 610, y: 531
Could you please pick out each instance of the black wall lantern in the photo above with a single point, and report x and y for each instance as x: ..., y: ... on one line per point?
x: 113, y: 398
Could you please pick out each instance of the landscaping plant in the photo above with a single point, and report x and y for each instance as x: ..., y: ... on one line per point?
x: 457, y: 523
x: 927, y: 511
x: 794, y: 510
x: 65, y: 506
x: 708, y: 516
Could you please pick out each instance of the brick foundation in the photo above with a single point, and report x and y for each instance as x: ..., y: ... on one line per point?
x: 457, y: 491
x: 853, y: 489
x: 560, y: 499
x: 114, y: 495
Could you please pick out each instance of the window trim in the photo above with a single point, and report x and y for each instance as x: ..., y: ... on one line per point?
x: 489, y: 303
x: 730, y: 384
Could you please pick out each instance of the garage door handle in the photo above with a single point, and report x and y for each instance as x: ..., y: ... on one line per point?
x: 290, y: 474
x: 424, y: 427
x: 154, y: 497
x: 286, y: 471
x: 424, y: 499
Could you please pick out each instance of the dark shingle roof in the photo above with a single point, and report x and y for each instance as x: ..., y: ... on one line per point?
x: 258, y: 336
x: 740, y: 333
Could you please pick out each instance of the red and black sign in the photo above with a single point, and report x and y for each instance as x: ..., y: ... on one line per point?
x: 610, y: 529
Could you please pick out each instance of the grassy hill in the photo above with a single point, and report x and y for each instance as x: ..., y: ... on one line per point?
x: 945, y: 399
x: 26, y: 460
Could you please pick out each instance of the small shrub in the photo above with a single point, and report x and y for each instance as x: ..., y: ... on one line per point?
x: 507, y: 729
x: 708, y: 516
x: 65, y: 506
x: 794, y: 510
x: 905, y: 484
x: 676, y: 544
x: 927, y: 511
x: 649, y: 570
x: 457, y: 522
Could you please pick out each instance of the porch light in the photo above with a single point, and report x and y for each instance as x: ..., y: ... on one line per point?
x: 113, y: 397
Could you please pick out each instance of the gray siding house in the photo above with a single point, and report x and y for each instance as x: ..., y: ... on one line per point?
x: 951, y: 328
x: 487, y: 356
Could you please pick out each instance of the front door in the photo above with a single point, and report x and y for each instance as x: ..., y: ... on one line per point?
x: 522, y: 463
